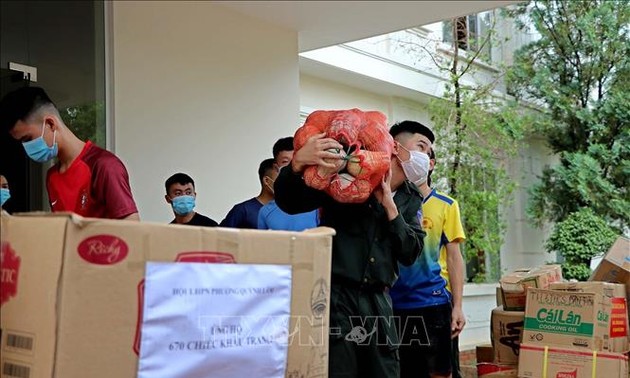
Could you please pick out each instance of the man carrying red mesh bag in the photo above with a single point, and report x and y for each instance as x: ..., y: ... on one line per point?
x: 376, y: 227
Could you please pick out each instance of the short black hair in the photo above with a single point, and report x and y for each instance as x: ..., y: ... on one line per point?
x: 265, y: 167
x: 20, y: 104
x: 282, y: 144
x: 412, y: 127
x: 178, y: 178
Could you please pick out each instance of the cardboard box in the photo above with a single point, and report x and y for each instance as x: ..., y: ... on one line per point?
x: 484, y: 353
x: 72, y: 289
x: 615, y: 267
x: 496, y: 370
x: 616, y: 294
x: 553, y: 362
x: 507, y: 334
x: 569, y: 319
x: 515, y: 284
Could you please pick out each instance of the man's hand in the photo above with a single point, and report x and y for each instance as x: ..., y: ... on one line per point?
x: 458, y: 322
x: 383, y: 194
x: 314, y: 153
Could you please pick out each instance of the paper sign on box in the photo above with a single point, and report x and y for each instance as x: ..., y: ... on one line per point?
x: 228, y: 319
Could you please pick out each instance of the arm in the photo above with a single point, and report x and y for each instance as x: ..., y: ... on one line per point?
x: 408, y: 238
x: 455, y: 265
x: 292, y: 195
x: 454, y: 233
x: 406, y: 233
x: 111, y: 184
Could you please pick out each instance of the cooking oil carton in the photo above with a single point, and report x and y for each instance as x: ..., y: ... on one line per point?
x: 570, y: 319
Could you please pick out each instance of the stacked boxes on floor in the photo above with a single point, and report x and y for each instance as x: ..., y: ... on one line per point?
x: 508, y: 318
x: 578, y: 330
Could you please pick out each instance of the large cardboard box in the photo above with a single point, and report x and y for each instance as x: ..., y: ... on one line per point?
x: 515, y: 284
x: 553, y: 362
x: 507, y: 334
x: 616, y: 294
x: 72, y: 290
x: 569, y: 319
x: 615, y: 267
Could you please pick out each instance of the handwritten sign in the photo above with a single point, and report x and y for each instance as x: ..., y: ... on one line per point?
x: 215, y: 320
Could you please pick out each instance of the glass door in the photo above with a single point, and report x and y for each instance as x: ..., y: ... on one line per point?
x: 65, y: 41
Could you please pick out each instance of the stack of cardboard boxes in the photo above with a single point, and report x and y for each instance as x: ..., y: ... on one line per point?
x: 545, y: 327
x: 580, y: 330
x: 507, y: 320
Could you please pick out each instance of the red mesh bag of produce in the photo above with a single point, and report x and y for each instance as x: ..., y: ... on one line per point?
x: 366, y: 155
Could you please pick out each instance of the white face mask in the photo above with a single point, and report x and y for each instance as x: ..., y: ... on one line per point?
x: 417, y: 167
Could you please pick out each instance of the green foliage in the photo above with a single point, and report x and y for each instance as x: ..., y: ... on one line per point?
x: 86, y: 121
x: 579, y: 271
x: 480, y: 182
x: 579, y: 180
x: 578, y: 238
x: 578, y: 72
x: 477, y: 135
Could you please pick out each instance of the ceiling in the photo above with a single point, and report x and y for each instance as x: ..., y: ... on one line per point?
x: 327, y: 23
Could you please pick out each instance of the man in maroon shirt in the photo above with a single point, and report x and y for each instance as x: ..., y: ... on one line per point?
x: 87, y: 179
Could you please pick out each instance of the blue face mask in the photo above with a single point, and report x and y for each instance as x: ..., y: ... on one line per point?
x: 38, y: 150
x: 183, y: 205
x: 4, y: 196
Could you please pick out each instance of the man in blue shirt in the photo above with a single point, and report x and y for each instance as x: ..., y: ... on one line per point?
x: 245, y: 214
x: 271, y: 217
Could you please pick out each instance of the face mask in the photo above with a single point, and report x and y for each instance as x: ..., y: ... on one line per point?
x: 183, y: 205
x: 38, y: 150
x: 4, y: 196
x: 417, y: 167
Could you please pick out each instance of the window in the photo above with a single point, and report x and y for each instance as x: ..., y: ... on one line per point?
x: 470, y: 33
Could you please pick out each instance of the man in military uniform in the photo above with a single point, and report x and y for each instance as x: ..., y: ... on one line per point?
x: 371, y: 239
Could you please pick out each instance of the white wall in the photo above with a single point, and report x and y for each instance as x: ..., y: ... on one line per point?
x: 202, y: 90
x: 317, y: 94
x: 524, y: 242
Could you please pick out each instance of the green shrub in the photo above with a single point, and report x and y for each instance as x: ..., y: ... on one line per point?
x: 580, y: 237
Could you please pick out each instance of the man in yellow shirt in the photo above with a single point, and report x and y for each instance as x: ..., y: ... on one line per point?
x: 428, y: 294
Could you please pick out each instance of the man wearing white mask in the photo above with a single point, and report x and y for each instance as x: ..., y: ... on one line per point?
x: 428, y: 294
x: 87, y: 179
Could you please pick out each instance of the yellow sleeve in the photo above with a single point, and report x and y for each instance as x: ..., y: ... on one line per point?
x: 453, y: 229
